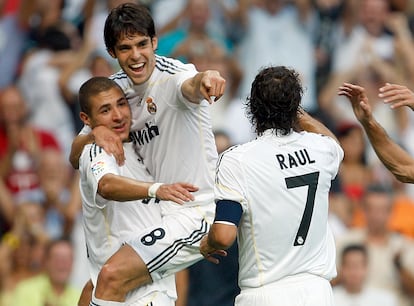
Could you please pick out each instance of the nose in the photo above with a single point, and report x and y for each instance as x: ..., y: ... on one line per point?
x: 135, y: 53
x: 117, y: 114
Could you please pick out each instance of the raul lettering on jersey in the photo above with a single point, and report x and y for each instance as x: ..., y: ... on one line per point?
x: 146, y: 134
x: 295, y: 159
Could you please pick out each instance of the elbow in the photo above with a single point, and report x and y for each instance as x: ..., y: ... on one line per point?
x: 224, y: 244
x: 104, y: 188
x: 404, y: 178
x: 222, y: 240
x: 73, y: 156
x: 404, y: 174
x: 74, y: 161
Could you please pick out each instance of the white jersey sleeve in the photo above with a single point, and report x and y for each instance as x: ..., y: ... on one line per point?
x: 230, y: 183
x: 94, y: 164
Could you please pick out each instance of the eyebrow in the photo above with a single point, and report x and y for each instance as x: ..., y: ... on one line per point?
x: 103, y: 106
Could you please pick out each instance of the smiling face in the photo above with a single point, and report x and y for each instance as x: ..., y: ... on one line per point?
x: 109, y: 108
x: 136, y: 56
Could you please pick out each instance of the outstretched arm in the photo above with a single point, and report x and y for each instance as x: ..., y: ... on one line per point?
x: 204, y: 85
x: 120, y: 188
x: 398, y: 161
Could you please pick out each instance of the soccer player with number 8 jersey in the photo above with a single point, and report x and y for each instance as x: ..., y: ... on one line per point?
x: 172, y: 132
x: 115, y: 199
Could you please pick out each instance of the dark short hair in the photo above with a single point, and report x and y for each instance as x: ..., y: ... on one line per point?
x: 92, y: 87
x: 275, y: 98
x: 354, y: 248
x: 127, y: 19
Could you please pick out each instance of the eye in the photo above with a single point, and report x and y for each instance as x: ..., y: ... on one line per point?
x: 123, y: 102
x: 144, y: 43
x: 123, y: 48
x: 104, y: 110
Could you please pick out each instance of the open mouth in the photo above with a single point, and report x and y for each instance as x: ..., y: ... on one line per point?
x: 119, y: 128
x: 137, y: 68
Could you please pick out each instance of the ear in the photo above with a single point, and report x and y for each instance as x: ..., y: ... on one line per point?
x: 111, y: 53
x: 154, y: 41
x: 85, y: 118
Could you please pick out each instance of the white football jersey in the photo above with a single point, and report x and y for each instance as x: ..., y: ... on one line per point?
x: 282, y: 184
x: 107, y: 224
x: 174, y: 136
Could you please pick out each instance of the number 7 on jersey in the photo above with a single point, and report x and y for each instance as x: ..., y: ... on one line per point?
x: 310, y: 180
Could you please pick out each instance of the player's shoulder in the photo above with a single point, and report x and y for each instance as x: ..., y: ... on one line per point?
x: 320, y: 140
x: 90, y: 152
x: 171, y: 66
x: 236, y: 152
x: 119, y: 76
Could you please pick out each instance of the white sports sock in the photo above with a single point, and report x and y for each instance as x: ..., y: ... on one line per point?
x: 98, y: 302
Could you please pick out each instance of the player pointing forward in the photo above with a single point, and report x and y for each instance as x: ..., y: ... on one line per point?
x: 172, y: 129
x: 273, y: 194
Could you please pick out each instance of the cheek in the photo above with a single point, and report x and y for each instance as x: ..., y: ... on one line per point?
x: 100, y: 120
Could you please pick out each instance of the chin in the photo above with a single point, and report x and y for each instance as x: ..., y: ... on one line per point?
x: 124, y: 137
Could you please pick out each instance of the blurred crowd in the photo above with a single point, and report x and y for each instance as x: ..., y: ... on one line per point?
x: 49, y: 48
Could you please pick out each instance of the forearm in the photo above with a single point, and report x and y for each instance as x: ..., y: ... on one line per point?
x: 310, y: 124
x: 190, y: 88
x: 77, y: 147
x: 221, y: 236
x: 119, y: 188
x: 398, y: 161
x: 86, y: 295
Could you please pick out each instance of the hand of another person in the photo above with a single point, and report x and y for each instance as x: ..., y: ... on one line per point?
x: 110, y: 142
x: 357, y: 97
x: 212, y: 85
x: 178, y: 192
x: 207, y: 251
x: 397, y: 95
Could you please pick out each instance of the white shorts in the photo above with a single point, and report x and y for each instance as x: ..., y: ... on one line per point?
x: 174, y: 245
x: 153, y: 299
x: 298, y: 290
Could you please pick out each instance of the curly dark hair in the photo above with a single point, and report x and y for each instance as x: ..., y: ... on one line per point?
x: 275, y: 99
x: 127, y: 19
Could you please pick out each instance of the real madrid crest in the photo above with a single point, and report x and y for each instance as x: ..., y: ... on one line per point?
x: 151, y: 106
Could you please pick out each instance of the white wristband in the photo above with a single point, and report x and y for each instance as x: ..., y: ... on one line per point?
x: 152, y: 190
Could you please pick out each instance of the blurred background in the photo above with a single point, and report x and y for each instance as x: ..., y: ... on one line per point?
x: 48, y: 48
